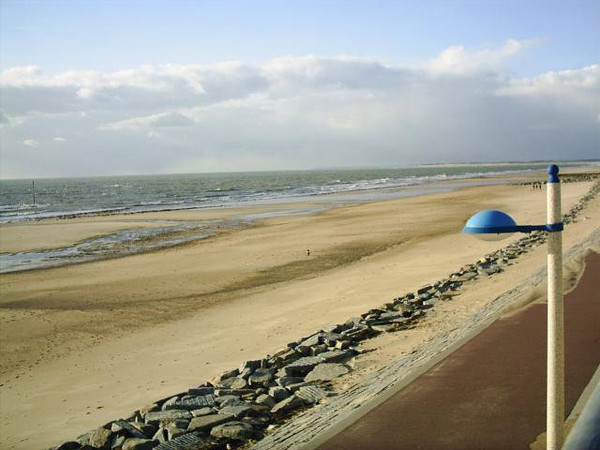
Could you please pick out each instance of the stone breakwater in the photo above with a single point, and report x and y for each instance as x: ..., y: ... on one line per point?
x: 566, y: 178
x: 286, y: 399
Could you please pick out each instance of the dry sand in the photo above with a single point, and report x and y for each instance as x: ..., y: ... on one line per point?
x: 85, y: 344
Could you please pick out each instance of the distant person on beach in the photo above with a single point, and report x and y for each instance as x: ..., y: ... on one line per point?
x: 308, y: 252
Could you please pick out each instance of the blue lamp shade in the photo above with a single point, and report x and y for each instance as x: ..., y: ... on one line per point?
x: 490, y: 225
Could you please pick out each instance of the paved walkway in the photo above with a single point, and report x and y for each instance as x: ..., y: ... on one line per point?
x: 491, y: 392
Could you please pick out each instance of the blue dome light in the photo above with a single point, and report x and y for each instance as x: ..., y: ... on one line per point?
x: 490, y: 225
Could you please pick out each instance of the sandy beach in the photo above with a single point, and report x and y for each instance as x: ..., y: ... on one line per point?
x: 84, y: 344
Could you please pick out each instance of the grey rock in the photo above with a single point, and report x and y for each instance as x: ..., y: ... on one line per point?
x: 294, y: 387
x: 288, y: 357
x: 261, y: 377
x: 202, y: 390
x: 118, y: 441
x: 99, y: 438
x: 358, y: 333
x: 311, y: 394
x: 191, y: 403
x: 415, y: 302
x: 303, y: 350
x: 139, y: 444
x: 190, y: 441
x: 145, y: 429
x: 232, y: 400
x: 160, y: 435
x: 207, y: 422
x: 287, y: 405
x: 286, y: 381
x: 237, y: 392
x: 249, y: 397
x: 278, y: 393
x: 166, y: 405
x: 336, y: 356
x: 311, y: 341
x: 149, y: 408
x: 239, y: 383
x: 224, y: 398
x: 245, y: 373
x: 235, y: 430
x: 225, y: 375
x: 468, y: 276
x: 302, y: 366
x: 175, y: 429
x: 425, y: 296
x: 236, y: 411
x: 327, y: 372
x: 165, y: 416
x: 342, y: 345
x: 317, y: 349
x: 122, y: 426
x: 424, y: 289
x: 203, y: 412
x: 405, y: 310
x: 389, y: 317
x: 329, y: 339
x: 228, y: 382
x: 252, y: 365
x: 265, y: 400
x: 488, y: 270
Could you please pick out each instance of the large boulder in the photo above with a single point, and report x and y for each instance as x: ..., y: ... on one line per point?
x: 302, y: 366
x: 237, y: 430
x: 327, y: 372
x: 261, y: 377
x: 204, y: 423
x: 287, y: 405
x: 311, y: 394
x: 190, y: 441
x: 99, y: 438
x: 165, y: 416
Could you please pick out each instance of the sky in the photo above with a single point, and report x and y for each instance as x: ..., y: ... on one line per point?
x: 110, y: 87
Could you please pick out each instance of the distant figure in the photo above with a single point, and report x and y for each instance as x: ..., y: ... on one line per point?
x: 307, y: 252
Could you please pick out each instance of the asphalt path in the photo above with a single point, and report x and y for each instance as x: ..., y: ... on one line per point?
x: 491, y: 392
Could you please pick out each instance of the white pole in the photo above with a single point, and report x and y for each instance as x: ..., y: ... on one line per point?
x: 555, y: 400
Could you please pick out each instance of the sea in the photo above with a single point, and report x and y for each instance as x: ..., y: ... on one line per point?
x: 55, y: 198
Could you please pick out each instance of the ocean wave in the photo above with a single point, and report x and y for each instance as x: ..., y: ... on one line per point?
x: 166, y: 193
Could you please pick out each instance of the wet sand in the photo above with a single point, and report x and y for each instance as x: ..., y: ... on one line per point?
x: 491, y: 392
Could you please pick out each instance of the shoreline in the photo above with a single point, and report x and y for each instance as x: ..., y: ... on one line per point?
x: 232, y: 217
x: 257, y: 314
x: 289, y: 199
x: 146, y: 232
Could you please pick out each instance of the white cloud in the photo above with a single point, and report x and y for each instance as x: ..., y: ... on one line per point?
x: 299, y: 112
x: 459, y: 60
x: 171, y: 120
x: 31, y: 143
x: 578, y: 89
x: 59, y: 139
x: 167, y: 120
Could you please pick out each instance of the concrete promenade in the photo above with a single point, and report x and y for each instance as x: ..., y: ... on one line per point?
x: 491, y: 392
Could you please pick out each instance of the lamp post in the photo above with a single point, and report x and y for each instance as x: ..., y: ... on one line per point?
x: 495, y: 225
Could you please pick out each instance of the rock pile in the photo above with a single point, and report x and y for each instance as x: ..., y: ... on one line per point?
x: 240, y: 405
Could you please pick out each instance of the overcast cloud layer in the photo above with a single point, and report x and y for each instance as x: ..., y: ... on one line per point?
x: 295, y: 113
